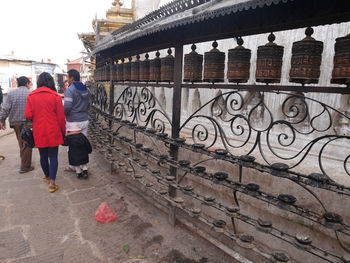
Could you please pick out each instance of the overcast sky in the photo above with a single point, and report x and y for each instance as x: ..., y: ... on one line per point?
x: 47, y: 29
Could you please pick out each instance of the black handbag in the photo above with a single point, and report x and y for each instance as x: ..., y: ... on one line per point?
x: 27, y: 136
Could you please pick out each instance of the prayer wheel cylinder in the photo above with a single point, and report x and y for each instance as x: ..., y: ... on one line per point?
x: 214, y: 65
x: 167, y: 67
x: 341, y: 69
x: 154, y: 69
x: 269, y: 62
x: 107, y: 72
x: 96, y: 74
x: 306, y: 59
x: 144, y: 69
x: 127, y: 70
x: 120, y: 70
x: 135, y: 69
x: 103, y: 72
x: 193, y: 66
x: 114, y: 72
x: 238, y: 64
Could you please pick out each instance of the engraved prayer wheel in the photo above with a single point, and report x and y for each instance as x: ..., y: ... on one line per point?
x: 238, y: 64
x: 120, y: 71
x: 167, y: 67
x: 193, y: 66
x: 127, y: 70
x: 107, y: 72
x: 103, y: 73
x: 144, y: 69
x: 135, y: 69
x: 269, y: 62
x: 306, y: 59
x: 214, y: 65
x: 341, y: 69
x: 114, y: 72
x: 99, y: 73
x: 96, y: 74
x: 154, y: 68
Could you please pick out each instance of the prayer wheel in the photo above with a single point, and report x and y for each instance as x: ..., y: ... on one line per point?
x: 269, y: 62
x: 214, y: 65
x: 103, y: 72
x: 154, y: 68
x: 167, y: 67
x: 341, y: 69
x: 135, y: 69
x: 120, y: 71
x: 144, y: 69
x: 99, y: 70
x: 127, y: 70
x: 114, y: 71
x: 107, y: 72
x: 238, y: 64
x: 96, y: 74
x: 193, y: 66
x: 306, y: 59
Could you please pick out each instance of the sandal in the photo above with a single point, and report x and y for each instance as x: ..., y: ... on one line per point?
x: 53, y: 188
x: 68, y: 169
x: 46, y: 179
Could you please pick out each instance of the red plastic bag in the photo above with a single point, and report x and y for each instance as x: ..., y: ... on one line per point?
x: 105, y: 214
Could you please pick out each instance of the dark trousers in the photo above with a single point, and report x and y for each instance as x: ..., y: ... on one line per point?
x: 24, y: 150
x: 49, y: 162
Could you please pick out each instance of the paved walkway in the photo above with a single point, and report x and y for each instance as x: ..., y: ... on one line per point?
x: 36, y: 226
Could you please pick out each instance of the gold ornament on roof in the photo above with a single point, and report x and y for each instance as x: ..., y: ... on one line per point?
x: 117, y: 2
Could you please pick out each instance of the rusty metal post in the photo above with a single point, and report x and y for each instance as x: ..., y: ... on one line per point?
x: 176, y: 114
x: 111, y: 104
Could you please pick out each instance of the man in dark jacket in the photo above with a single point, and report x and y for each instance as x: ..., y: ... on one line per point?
x: 76, y: 106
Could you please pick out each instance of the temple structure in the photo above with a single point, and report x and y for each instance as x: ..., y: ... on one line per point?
x: 116, y: 17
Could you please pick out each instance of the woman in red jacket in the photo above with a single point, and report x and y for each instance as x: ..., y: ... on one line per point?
x: 44, y: 107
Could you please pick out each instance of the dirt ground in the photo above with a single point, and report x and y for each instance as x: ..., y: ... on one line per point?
x: 36, y: 226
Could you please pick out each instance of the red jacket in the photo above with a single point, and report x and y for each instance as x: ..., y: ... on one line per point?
x: 44, y: 107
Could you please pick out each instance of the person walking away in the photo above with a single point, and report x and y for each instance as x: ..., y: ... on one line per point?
x: 79, y: 150
x: 76, y: 106
x: 13, y: 108
x: 44, y: 107
x: 1, y: 96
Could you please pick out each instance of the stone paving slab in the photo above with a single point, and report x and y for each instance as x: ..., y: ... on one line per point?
x: 13, y: 244
x: 36, y: 226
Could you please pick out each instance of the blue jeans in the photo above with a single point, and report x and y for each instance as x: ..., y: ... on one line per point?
x: 50, y: 170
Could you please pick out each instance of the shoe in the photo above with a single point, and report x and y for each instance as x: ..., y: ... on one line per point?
x: 68, y: 169
x: 53, y: 188
x: 80, y: 175
x: 26, y: 170
x: 85, y: 174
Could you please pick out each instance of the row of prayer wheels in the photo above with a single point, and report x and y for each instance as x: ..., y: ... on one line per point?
x: 148, y: 70
x: 305, y: 64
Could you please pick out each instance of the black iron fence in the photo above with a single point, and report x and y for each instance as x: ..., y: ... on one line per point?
x: 115, y: 130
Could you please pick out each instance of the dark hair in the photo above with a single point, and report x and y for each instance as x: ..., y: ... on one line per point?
x: 74, y: 74
x: 46, y: 80
x: 22, y: 81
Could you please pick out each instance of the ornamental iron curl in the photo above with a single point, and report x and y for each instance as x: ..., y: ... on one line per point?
x: 99, y: 96
x: 140, y: 106
x: 244, y: 123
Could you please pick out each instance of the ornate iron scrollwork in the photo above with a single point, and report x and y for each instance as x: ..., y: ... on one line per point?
x: 99, y: 97
x: 141, y: 107
x: 245, y: 122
